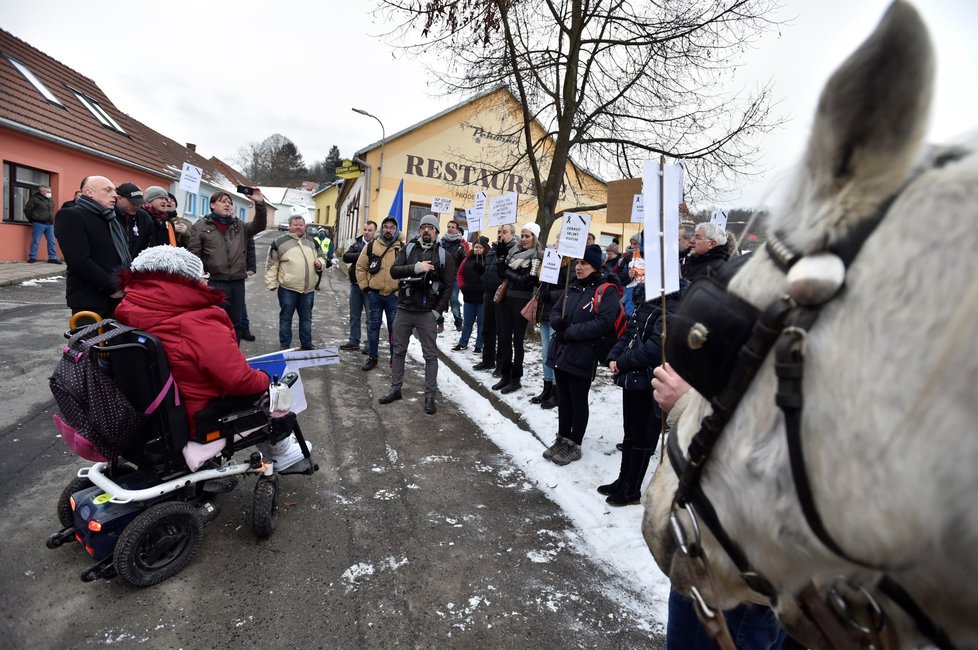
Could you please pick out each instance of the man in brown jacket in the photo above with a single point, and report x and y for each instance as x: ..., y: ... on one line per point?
x: 220, y: 240
x: 374, y: 277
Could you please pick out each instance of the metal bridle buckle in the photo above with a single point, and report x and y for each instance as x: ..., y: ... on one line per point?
x: 802, y: 335
x: 679, y: 533
x: 845, y: 613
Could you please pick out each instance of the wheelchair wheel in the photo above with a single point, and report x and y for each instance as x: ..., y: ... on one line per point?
x: 158, y: 544
x: 264, y: 511
x: 65, y: 514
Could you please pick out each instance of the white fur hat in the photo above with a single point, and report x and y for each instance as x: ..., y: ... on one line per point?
x: 533, y: 227
x: 169, y: 259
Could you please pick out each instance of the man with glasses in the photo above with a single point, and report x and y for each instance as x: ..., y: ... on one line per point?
x: 708, y: 252
x: 425, y: 274
x: 220, y: 240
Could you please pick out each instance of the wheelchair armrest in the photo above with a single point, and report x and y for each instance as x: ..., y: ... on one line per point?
x: 289, y: 378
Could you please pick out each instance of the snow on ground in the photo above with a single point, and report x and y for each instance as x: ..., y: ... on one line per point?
x: 38, y: 281
x: 611, y: 535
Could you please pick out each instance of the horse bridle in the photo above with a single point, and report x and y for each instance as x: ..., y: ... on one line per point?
x: 813, y: 280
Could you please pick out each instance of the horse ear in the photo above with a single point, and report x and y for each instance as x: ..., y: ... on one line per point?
x: 872, y: 114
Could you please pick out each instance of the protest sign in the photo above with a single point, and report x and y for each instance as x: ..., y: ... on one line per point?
x: 665, y: 249
x: 441, y: 205
x: 719, y: 218
x: 573, y: 234
x: 502, y: 209
x: 638, y: 210
x: 190, y: 178
x: 550, y: 268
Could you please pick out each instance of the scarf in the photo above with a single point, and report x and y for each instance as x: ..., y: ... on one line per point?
x: 522, y: 259
x: 448, y: 237
x: 162, y: 220
x: 221, y: 220
x: 115, y: 228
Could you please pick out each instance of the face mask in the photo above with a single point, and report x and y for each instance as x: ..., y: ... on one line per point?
x: 47, y: 194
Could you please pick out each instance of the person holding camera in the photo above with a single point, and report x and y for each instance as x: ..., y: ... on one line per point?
x: 379, y: 288
x: 426, y: 275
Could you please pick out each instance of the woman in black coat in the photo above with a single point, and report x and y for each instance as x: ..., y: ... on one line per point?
x: 518, y: 266
x: 578, y: 324
x: 469, y: 279
x: 631, y: 361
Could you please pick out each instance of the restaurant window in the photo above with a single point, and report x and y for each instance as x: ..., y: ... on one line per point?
x: 19, y: 183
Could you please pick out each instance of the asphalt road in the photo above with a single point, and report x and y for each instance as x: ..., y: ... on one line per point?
x: 416, y: 532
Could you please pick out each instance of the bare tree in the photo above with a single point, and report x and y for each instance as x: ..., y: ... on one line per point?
x: 611, y: 82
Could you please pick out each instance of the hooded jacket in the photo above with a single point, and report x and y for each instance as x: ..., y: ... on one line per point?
x: 381, y: 281
x: 196, y: 334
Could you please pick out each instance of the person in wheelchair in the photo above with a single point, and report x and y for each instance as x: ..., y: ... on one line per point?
x: 166, y: 295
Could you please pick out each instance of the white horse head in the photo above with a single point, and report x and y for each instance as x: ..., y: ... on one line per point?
x: 890, y: 419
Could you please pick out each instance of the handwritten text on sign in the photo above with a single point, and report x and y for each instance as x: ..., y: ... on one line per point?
x: 502, y: 209
x: 550, y: 269
x: 441, y: 205
x: 573, y: 234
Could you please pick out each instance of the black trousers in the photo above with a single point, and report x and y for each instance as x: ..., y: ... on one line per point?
x: 488, y: 329
x: 636, y: 418
x: 510, y: 334
x: 234, y: 293
x: 572, y: 409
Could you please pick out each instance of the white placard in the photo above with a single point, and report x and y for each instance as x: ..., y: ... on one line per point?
x: 573, y: 234
x: 441, y: 205
x: 667, y: 248
x: 190, y: 178
x: 719, y: 218
x: 638, y: 210
x: 502, y: 209
x: 479, y: 206
x: 473, y: 222
x: 550, y: 268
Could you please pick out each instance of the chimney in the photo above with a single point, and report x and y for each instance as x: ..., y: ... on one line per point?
x: 191, y: 146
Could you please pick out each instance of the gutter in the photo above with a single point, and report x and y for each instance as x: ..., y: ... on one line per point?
x: 41, y: 135
x: 366, y: 201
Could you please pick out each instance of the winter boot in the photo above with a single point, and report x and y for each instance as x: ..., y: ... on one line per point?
x: 550, y: 401
x: 616, y: 485
x: 548, y: 387
x: 513, y: 386
x: 570, y: 452
x: 554, y: 448
x: 503, y: 380
x: 630, y: 490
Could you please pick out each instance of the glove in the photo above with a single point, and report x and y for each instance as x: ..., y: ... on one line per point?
x: 561, y: 336
x: 560, y: 324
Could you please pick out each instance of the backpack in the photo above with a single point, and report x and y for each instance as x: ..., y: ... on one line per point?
x: 441, y: 252
x: 96, y: 420
x: 603, y: 345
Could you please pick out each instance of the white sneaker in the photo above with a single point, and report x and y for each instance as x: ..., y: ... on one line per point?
x: 286, y: 453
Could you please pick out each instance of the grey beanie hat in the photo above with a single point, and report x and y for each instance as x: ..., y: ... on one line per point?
x: 169, y: 259
x: 155, y: 192
x: 430, y: 220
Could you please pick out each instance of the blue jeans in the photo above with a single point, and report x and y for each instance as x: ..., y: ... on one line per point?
x: 377, y: 306
x: 357, y: 305
x: 289, y: 302
x: 37, y: 229
x: 546, y: 332
x: 753, y: 627
x: 245, y: 323
x: 471, y: 313
x: 455, y: 306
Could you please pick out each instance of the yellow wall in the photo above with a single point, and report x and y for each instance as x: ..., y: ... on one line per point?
x: 326, y: 206
x: 467, y: 150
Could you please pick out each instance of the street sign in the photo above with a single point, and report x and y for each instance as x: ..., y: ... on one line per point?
x: 347, y: 169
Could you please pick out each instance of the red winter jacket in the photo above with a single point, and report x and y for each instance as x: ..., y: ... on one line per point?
x: 196, y: 334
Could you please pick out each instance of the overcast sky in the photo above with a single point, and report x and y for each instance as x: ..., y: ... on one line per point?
x: 221, y: 74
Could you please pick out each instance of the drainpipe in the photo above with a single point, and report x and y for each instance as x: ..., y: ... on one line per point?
x: 366, y: 200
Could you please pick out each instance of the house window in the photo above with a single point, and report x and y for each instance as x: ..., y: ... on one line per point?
x: 204, y: 203
x: 191, y: 204
x: 242, y: 214
x: 34, y: 81
x: 19, y: 183
x: 96, y: 109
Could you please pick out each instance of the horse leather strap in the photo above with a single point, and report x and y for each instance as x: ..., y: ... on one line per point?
x: 829, y: 626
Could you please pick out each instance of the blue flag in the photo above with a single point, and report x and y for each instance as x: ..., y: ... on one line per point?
x: 397, y: 207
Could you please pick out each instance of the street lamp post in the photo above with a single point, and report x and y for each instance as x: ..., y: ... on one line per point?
x: 383, y: 136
